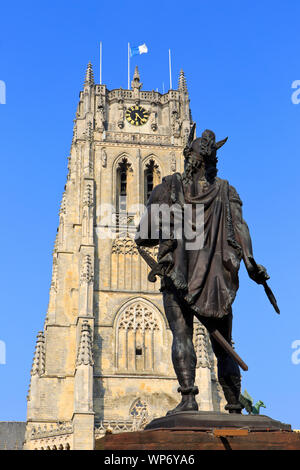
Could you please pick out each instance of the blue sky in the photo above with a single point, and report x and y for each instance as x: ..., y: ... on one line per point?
x: 240, y: 60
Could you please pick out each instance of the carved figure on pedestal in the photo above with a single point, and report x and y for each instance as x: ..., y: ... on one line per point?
x: 200, y: 280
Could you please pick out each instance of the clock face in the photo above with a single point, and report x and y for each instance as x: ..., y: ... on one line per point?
x: 137, y: 116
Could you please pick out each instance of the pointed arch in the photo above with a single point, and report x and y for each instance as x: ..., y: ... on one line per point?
x: 152, y: 175
x: 122, y: 172
x: 140, y: 411
x: 148, y: 302
x: 138, y: 330
x: 127, y: 270
x: 152, y: 156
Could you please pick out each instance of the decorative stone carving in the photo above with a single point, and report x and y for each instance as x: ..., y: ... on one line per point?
x: 175, y: 123
x: 89, y: 131
x: 182, y: 87
x: 103, y: 157
x: 138, y: 316
x: 89, y: 76
x: 202, y: 346
x: 124, y: 246
x: 87, y: 275
x: 127, y: 137
x: 88, y: 195
x: 153, y: 116
x: 63, y: 204
x: 100, y: 117
x: 136, y: 85
x: 122, y: 425
x: 186, y: 134
x: 38, y: 366
x: 121, y: 114
x: 154, y: 167
x: 137, y: 338
x: 84, y: 354
x: 173, y: 162
x: 49, y: 430
x: 138, y: 409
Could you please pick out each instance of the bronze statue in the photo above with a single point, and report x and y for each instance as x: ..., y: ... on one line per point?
x: 201, y: 281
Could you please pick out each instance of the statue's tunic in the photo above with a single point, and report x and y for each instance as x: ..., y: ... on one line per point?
x: 206, y: 277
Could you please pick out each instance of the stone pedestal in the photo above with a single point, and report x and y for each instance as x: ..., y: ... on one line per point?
x: 206, y: 431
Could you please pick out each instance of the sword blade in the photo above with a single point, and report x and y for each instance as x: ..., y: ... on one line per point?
x: 271, y: 297
x: 268, y: 291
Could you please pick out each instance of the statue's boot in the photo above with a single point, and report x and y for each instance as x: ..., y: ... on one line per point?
x: 188, y: 401
x: 231, y: 385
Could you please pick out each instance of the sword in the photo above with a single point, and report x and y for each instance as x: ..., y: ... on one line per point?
x: 155, y: 271
x: 268, y: 291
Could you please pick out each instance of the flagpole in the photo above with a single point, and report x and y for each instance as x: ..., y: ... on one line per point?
x: 128, y: 66
x: 170, y: 69
x: 100, y: 62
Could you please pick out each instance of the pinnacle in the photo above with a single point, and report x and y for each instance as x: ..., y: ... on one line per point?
x: 136, y: 75
x: 89, y: 76
x: 182, y: 82
x: 136, y: 83
x: 38, y: 366
x: 84, y: 354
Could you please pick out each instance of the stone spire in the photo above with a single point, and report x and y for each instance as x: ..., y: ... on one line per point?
x: 182, y: 82
x: 85, y: 355
x: 201, y: 347
x: 89, y: 76
x: 38, y: 365
x: 136, y: 83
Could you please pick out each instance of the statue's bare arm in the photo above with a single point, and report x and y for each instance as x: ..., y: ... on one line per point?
x: 243, y: 238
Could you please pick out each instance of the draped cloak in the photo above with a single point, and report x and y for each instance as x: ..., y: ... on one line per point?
x: 206, y: 277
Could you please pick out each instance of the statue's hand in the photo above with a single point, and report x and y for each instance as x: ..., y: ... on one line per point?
x: 258, y: 275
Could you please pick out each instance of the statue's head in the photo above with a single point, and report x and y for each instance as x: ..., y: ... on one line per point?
x: 202, y: 151
x: 205, y: 147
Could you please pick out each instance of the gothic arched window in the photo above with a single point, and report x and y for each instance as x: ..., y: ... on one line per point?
x: 138, y: 339
x: 139, y: 411
x: 122, y: 185
x: 151, y: 178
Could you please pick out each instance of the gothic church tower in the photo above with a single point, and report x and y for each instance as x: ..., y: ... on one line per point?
x: 103, y: 359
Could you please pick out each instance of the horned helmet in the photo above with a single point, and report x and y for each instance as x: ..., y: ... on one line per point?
x: 205, y: 147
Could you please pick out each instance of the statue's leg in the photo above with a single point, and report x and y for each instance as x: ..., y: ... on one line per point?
x: 229, y: 375
x: 183, y: 353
